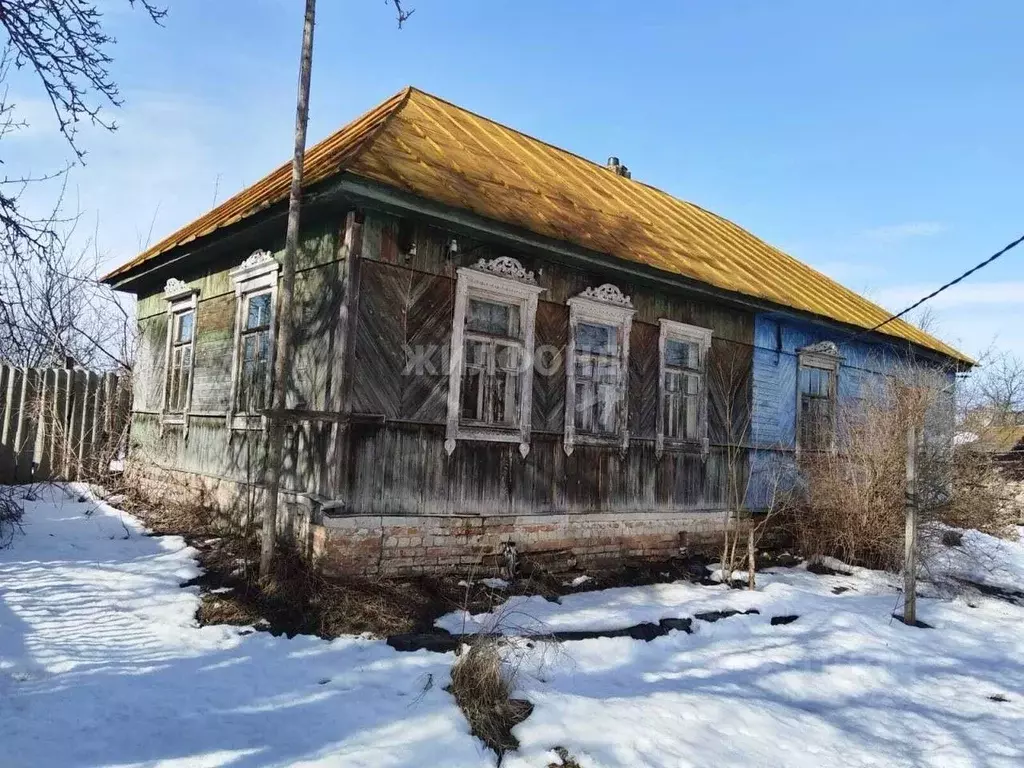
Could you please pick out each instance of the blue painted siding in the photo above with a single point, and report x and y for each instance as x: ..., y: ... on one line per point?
x: 773, y: 416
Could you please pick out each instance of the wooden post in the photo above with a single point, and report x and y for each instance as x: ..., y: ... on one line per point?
x: 285, y: 321
x: 910, y: 535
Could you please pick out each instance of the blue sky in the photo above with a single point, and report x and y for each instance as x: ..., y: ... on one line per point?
x: 879, y: 142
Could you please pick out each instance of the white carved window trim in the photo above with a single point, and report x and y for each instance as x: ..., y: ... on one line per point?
x: 257, y: 275
x: 824, y: 356
x: 674, y: 331
x: 605, y: 305
x: 502, y: 280
x: 181, y: 298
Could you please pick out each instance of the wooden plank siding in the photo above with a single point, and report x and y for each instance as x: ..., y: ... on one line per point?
x: 377, y: 441
x: 399, y: 465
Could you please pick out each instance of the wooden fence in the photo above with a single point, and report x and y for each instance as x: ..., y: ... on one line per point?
x: 60, y: 423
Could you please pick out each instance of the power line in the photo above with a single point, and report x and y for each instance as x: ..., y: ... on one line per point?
x: 950, y: 284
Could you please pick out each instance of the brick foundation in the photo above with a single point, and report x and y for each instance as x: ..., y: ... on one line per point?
x: 407, y: 545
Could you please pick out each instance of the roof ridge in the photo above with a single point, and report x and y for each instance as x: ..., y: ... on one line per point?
x: 530, y: 137
x: 653, y: 188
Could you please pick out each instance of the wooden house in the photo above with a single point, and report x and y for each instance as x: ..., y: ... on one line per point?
x: 498, y: 343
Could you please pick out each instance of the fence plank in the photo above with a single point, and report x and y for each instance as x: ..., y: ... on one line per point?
x: 25, y: 439
x: 60, y: 423
x: 9, y: 424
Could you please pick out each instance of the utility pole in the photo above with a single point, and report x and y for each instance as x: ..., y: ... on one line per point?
x: 285, y: 321
x: 910, y: 534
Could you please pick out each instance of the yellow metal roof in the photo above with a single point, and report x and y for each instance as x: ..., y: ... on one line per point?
x: 429, y: 147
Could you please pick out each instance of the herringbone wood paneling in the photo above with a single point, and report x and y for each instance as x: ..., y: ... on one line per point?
x: 552, y: 335
x: 379, y: 339
x: 643, y: 380
x: 428, y: 330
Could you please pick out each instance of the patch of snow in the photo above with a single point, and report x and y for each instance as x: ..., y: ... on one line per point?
x: 965, y: 438
x: 494, y: 583
x: 579, y: 581
x: 102, y: 664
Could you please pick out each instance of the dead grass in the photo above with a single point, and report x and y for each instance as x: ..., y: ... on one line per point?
x: 566, y: 760
x: 482, y: 686
x: 852, y: 505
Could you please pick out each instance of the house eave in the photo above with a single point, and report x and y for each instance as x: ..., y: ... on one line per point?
x: 348, y: 188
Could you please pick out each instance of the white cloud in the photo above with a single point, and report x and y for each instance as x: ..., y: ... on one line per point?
x: 895, y: 233
x: 1007, y: 293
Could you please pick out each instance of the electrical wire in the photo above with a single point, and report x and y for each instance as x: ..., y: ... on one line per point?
x: 950, y: 284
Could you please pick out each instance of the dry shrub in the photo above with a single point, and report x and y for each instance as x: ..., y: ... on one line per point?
x: 482, y: 685
x: 852, y: 504
x: 983, y: 497
x: 11, y: 512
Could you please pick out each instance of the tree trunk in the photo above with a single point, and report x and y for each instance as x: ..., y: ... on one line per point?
x: 285, y: 321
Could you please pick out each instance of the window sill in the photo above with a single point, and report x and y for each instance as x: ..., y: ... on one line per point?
x: 488, y: 435
x: 685, y: 446
x: 614, y: 441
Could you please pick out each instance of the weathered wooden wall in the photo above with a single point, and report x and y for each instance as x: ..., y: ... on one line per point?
x: 390, y: 458
x: 398, y: 462
x: 59, y: 423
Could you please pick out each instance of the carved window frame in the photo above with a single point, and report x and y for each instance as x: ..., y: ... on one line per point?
x: 258, y: 274
x: 694, y: 334
x: 605, y: 305
x: 502, y: 280
x: 823, y: 356
x: 181, y: 298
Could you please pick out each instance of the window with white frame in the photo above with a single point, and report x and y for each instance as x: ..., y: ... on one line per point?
x: 600, y: 320
x: 491, y: 374
x: 254, y: 353
x: 181, y: 322
x: 682, y: 411
x: 255, y: 282
x: 816, y: 396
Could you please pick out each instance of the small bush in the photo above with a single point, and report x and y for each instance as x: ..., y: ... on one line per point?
x: 852, y: 500
x: 11, y: 511
x: 482, y: 685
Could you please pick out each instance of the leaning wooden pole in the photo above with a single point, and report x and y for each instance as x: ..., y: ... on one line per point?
x: 910, y: 534
x: 285, y: 321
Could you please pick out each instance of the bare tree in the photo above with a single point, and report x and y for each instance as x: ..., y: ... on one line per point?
x: 999, y: 389
x: 49, y: 303
x: 286, y: 321
x: 285, y: 325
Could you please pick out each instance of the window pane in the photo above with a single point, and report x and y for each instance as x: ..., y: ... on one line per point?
x: 817, y: 407
x: 507, y: 358
x: 682, y: 354
x: 585, y: 368
x: 505, y: 398
x: 258, y: 312
x: 184, y: 327
x: 607, y: 407
x: 586, y: 398
x: 690, y: 417
x: 472, y: 394
x: 249, y: 347
x: 600, y: 339
x: 490, y: 317
x: 264, y: 345
x: 477, y: 353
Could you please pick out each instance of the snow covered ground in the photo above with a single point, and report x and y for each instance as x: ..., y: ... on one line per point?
x: 102, y: 664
